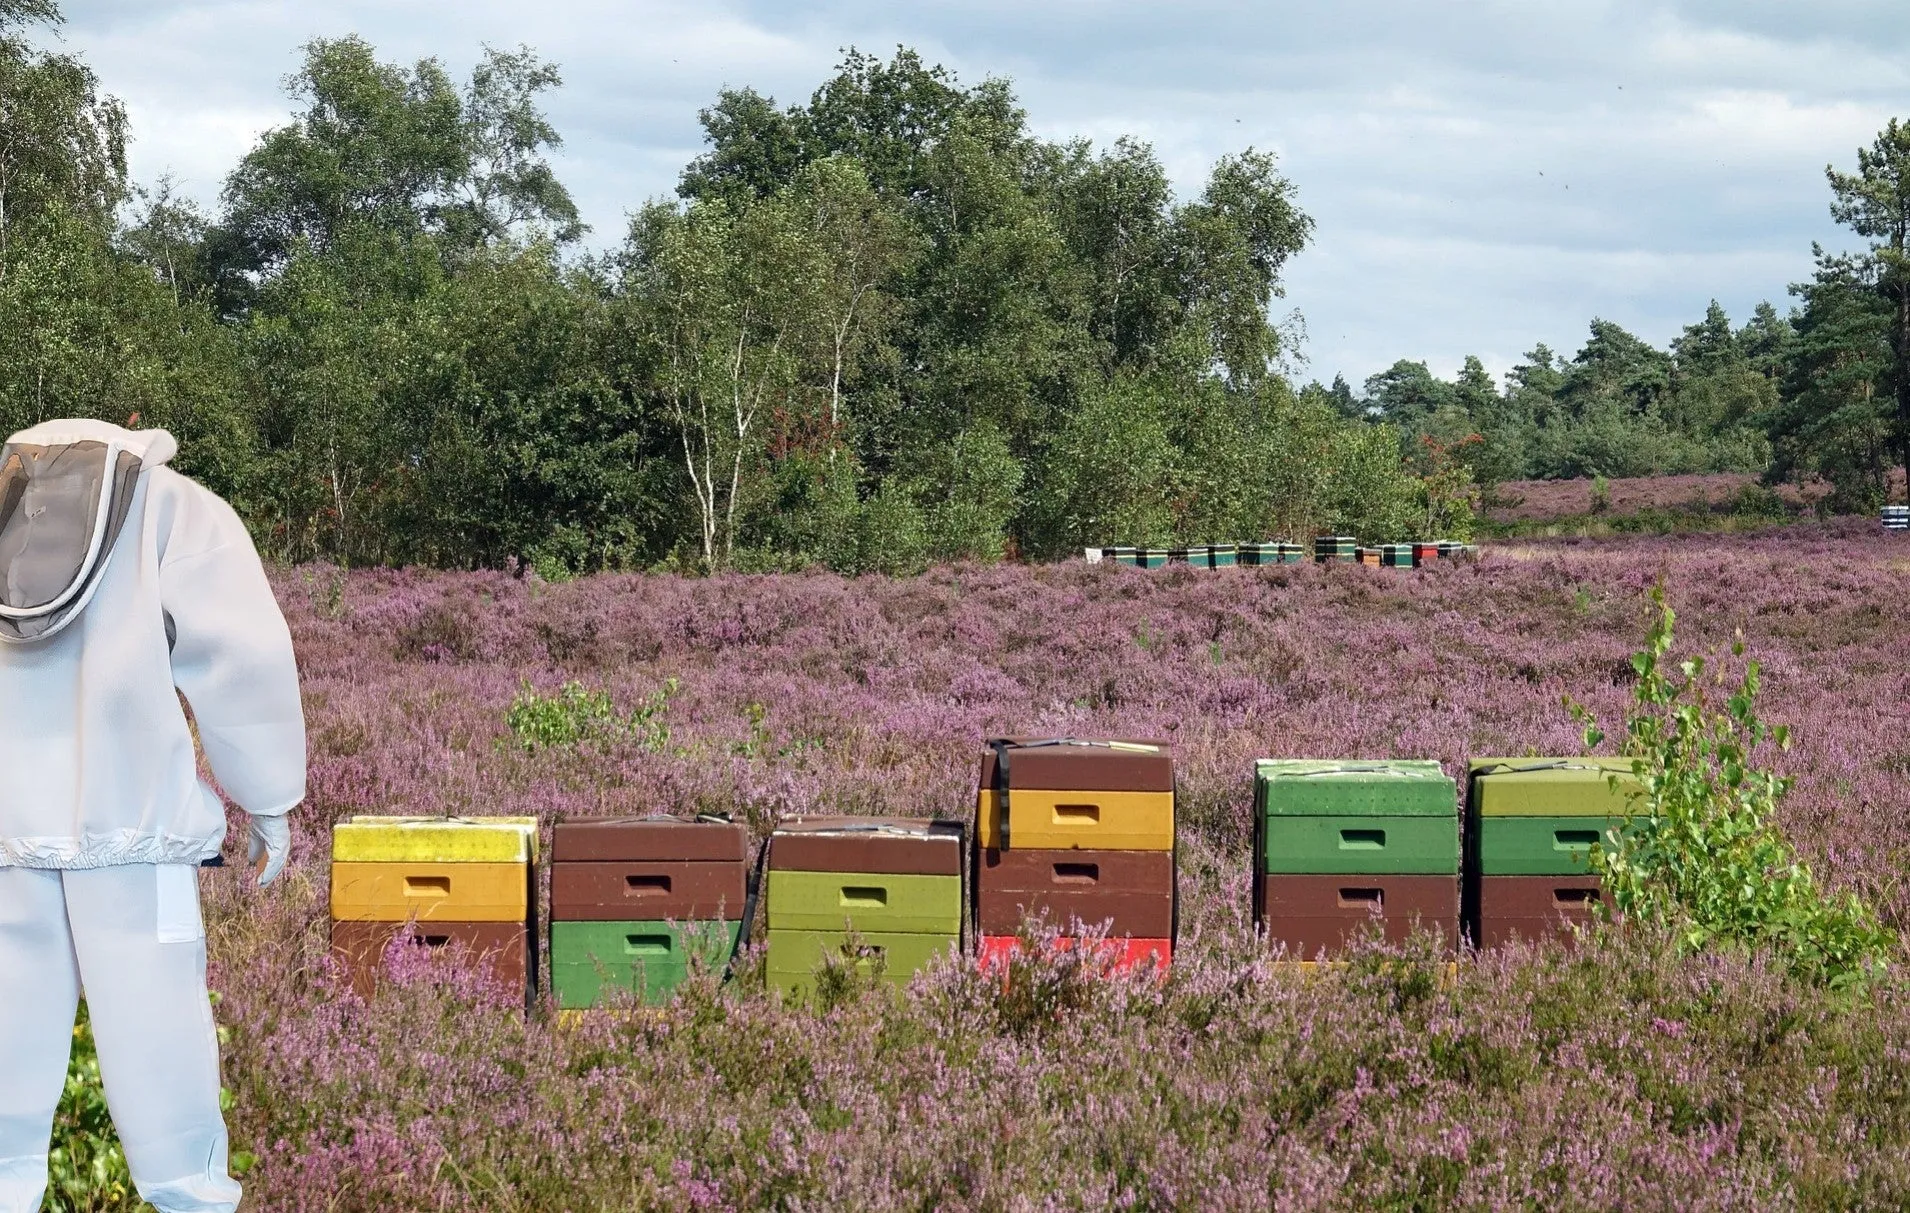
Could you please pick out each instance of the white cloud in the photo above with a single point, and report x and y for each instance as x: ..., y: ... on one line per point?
x: 1485, y: 175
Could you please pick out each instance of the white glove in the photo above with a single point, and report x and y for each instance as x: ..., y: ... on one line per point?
x: 271, y: 838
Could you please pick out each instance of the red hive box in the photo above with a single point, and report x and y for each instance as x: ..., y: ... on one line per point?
x: 1311, y: 914
x: 1535, y: 908
x: 1131, y: 893
x: 1124, y: 954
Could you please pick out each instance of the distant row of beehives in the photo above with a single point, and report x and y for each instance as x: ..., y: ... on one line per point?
x: 1326, y: 549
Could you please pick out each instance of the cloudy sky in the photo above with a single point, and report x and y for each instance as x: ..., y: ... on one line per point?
x: 1485, y: 174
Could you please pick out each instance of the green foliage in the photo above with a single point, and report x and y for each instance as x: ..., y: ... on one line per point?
x: 1601, y: 495
x: 576, y: 717
x: 1701, y: 853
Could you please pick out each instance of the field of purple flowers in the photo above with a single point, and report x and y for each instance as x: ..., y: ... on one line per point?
x: 1616, y: 1076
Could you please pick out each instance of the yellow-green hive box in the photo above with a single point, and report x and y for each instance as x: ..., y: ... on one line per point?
x: 367, y: 839
x: 1552, y: 787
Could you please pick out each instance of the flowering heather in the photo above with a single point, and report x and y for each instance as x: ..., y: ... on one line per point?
x: 1542, y: 500
x: 1616, y: 1076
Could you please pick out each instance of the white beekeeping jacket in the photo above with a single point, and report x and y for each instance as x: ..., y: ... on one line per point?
x: 150, y: 584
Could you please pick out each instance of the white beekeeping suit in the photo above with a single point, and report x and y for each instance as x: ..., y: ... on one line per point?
x: 121, y: 580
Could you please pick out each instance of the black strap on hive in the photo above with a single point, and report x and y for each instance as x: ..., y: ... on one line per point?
x: 749, y: 908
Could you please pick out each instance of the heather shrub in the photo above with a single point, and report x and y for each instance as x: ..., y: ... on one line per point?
x: 1703, y: 854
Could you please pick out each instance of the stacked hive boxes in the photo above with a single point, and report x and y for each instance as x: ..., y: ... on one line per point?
x: 441, y: 882
x: 1398, y: 555
x: 1341, y: 845
x: 1367, y: 556
x: 1336, y: 547
x: 636, y: 905
x: 1271, y: 553
x: 895, y: 882
x: 1532, y: 826
x: 1219, y: 555
x: 1896, y: 518
x: 1424, y: 552
x: 1077, y: 831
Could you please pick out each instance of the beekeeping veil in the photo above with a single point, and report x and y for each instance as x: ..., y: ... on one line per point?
x: 65, y: 490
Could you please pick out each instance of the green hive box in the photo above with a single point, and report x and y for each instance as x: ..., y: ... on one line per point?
x: 794, y: 956
x: 1538, y: 846
x: 870, y: 902
x: 1122, y: 555
x: 1551, y: 787
x: 1153, y: 558
x: 1222, y: 555
x: 1367, y: 846
x: 1337, y: 817
x: 593, y: 962
x: 1304, y: 787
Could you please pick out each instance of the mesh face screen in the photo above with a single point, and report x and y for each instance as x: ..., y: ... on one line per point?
x: 50, y: 501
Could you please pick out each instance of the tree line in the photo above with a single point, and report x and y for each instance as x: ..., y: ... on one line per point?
x: 881, y: 327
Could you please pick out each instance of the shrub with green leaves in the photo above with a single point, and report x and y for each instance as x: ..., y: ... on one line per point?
x: 1702, y: 854
x: 577, y: 716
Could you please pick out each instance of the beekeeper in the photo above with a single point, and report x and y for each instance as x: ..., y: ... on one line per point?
x: 121, y: 580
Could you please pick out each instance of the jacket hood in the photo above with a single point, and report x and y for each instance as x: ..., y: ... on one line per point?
x: 66, y: 489
x: 153, y: 447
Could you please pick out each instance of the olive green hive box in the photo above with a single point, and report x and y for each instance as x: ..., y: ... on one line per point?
x: 1545, y: 816
x: 1551, y: 787
x: 869, y: 902
x: 1325, y: 817
x: 795, y: 956
x: 591, y: 961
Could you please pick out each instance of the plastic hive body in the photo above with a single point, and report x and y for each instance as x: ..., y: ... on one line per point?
x: 465, y: 884
x: 1072, y: 793
x: 1344, y: 847
x: 1336, y: 547
x: 638, y: 904
x: 592, y: 962
x: 852, y: 888
x: 1121, y: 954
x: 1080, y: 833
x: 1533, y: 825
x: 1398, y: 555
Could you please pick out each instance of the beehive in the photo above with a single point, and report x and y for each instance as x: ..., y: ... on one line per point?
x: 1079, y: 834
x: 638, y: 904
x: 857, y: 888
x: 1341, y: 846
x: 1533, y: 824
x: 465, y: 883
x: 1336, y: 547
x: 1221, y: 555
x: 1397, y: 555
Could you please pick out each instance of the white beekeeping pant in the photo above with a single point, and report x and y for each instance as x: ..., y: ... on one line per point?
x: 132, y: 937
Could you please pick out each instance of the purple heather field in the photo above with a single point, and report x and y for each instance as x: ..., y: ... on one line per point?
x: 1616, y: 1076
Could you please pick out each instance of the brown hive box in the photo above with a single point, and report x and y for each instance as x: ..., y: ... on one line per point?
x: 896, y: 846
x: 1535, y: 908
x: 1130, y: 891
x: 1309, y: 913
x: 505, y: 948
x: 1081, y: 767
x: 648, y: 839
x: 648, y: 869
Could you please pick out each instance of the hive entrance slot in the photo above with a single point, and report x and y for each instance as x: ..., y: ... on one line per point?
x: 864, y: 895
x: 427, y: 886
x: 1077, y: 873
x: 1373, y: 900
x: 431, y: 941
x: 1574, y: 840
x: 1575, y: 899
x: 646, y: 886
x: 1077, y: 814
x: 1362, y: 840
x: 646, y: 945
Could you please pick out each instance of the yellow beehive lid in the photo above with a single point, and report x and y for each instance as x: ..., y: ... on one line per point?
x: 371, y: 839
